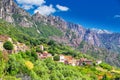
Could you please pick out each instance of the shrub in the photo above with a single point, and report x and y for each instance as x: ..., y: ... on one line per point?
x: 29, y: 65
x: 56, y: 58
x: 106, y: 66
x: 8, y: 45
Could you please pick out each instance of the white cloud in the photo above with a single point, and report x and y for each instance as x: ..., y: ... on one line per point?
x: 31, y: 2
x: 27, y: 7
x: 40, y: 6
x: 117, y: 16
x: 45, y: 10
x: 62, y: 8
x: 28, y: 4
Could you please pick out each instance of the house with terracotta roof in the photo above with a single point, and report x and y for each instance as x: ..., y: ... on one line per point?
x: 44, y: 55
x: 83, y: 61
x: 20, y: 47
x: 67, y: 60
x: 70, y: 62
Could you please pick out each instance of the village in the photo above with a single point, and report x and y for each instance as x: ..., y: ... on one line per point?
x: 68, y: 60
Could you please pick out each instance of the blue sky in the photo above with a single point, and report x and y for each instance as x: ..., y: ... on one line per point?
x: 101, y: 14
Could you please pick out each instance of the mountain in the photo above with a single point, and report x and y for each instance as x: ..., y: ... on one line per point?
x: 92, y: 41
x: 75, y: 33
x: 101, y: 31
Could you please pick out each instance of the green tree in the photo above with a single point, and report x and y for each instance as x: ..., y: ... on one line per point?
x: 8, y: 45
x: 34, y: 54
x: 56, y: 58
x: 105, y: 77
x: 106, y: 66
x: 51, y: 42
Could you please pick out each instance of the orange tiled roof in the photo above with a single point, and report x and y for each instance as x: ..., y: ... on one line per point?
x: 83, y: 59
x: 45, y: 52
x: 68, y: 57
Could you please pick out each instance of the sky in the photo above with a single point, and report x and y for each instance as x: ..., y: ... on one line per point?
x: 99, y: 14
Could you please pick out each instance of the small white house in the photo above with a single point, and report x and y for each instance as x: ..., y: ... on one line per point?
x: 73, y: 62
x: 41, y: 47
x: 62, y: 58
x: 98, y: 62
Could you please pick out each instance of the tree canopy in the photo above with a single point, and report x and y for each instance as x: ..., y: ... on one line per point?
x: 8, y: 45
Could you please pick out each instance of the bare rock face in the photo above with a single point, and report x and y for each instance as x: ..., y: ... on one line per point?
x: 79, y: 34
x: 8, y: 8
x: 92, y: 38
x: 51, y: 20
x: 39, y: 18
x: 57, y: 21
x: 9, y: 19
x: 25, y: 22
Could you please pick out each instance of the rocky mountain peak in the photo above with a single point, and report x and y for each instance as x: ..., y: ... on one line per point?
x: 10, y: 12
x: 37, y: 17
x: 100, y: 31
x: 51, y: 20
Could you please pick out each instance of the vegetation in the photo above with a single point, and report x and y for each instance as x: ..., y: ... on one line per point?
x: 28, y: 36
x: 56, y: 58
x: 47, y: 30
x: 8, y: 45
x: 106, y: 66
x: 25, y: 64
x: 29, y: 65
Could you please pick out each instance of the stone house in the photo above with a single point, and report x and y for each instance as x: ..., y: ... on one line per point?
x: 62, y: 58
x: 83, y: 61
x: 67, y: 60
x: 44, y: 55
x: 20, y: 47
x: 41, y: 47
x: 98, y: 62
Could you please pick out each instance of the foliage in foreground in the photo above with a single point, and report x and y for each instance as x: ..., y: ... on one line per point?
x: 24, y: 64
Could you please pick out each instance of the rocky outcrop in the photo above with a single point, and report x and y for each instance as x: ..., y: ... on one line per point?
x: 92, y: 38
x: 17, y: 46
x: 8, y: 8
x: 4, y: 38
x: 80, y: 34
x: 50, y: 20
